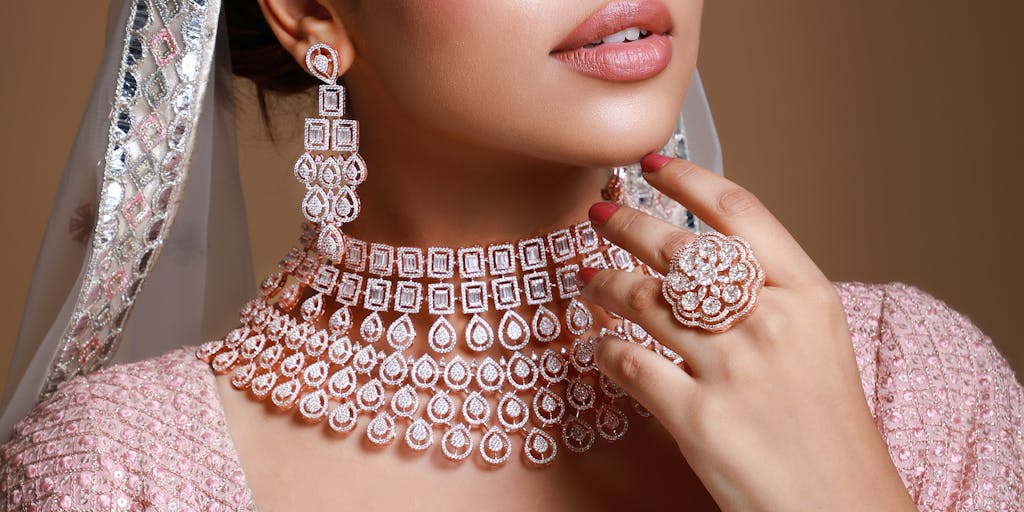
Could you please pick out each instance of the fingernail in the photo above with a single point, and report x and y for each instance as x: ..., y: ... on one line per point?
x: 585, y: 275
x: 600, y: 212
x: 653, y: 162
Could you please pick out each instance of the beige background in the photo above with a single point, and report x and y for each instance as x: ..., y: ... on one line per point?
x: 883, y: 133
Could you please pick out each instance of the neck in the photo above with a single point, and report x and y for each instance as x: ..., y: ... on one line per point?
x: 423, y: 188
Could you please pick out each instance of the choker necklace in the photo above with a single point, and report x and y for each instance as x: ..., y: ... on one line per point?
x: 520, y: 363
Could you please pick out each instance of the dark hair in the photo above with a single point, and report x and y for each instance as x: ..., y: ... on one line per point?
x: 256, y: 54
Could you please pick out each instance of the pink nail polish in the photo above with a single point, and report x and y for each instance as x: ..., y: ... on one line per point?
x: 585, y: 275
x: 653, y: 162
x: 600, y: 212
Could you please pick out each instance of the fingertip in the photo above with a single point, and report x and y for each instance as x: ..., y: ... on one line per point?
x: 654, y: 161
x: 600, y: 212
x: 602, y: 350
x: 584, y: 276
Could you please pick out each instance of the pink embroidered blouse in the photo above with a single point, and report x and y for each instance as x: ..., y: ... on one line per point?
x: 151, y: 435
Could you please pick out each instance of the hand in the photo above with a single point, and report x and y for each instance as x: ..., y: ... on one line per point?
x: 770, y: 414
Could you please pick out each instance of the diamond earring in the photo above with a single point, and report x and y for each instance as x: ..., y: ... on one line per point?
x: 330, y: 179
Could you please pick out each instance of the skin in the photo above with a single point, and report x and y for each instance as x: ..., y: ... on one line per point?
x: 500, y: 141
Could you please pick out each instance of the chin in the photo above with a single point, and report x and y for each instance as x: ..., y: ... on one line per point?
x: 620, y: 143
x: 608, y: 128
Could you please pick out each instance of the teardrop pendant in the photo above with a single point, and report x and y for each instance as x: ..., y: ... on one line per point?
x: 418, y: 435
x: 578, y: 318
x: 545, y: 324
x: 365, y: 359
x: 381, y: 429
x: 354, y: 170
x: 479, y: 335
x: 346, y: 204
x: 330, y: 174
x: 513, y: 412
x: 457, y: 374
x: 490, y: 375
x: 577, y: 435
x: 401, y: 332
x: 340, y: 320
x: 316, y: 204
x: 322, y: 62
x: 343, y: 417
x: 611, y: 422
x: 521, y: 372
x: 305, y: 169
x: 548, y: 407
x: 372, y: 327
x: 425, y: 372
x: 457, y: 443
x: 539, y: 447
x: 495, y: 446
x: 393, y: 369
x: 441, y: 337
x: 513, y: 332
x: 312, y: 308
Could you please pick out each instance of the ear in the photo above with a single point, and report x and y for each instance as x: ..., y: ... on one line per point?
x: 299, y: 24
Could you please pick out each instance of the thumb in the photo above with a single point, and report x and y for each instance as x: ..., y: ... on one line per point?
x: 659, y: 385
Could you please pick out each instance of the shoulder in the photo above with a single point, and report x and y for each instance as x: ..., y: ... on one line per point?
x: 150, y: 432
x: 944, y: 398
x: 899, y: 328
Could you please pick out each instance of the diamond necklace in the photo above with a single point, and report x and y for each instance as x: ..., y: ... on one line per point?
x: 300, y: 345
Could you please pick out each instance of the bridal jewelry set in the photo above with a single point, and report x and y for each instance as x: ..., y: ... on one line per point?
x: 510, y: 345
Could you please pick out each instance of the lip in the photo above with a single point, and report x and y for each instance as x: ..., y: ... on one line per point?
x: 618, y: 62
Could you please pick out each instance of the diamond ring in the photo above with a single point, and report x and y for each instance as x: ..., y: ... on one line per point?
x: 713, y: 281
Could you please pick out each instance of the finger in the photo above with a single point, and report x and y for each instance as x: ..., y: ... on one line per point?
x: 733, y: 210
x: 649, y: 238
x: 638, y: 298
x: 660, y: 386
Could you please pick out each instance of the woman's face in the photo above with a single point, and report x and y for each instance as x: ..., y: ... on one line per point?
x: 482, y: 72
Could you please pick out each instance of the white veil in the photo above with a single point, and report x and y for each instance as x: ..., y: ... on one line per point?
x: 152, y: 177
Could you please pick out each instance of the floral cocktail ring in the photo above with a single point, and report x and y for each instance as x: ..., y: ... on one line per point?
x: 713, y: 281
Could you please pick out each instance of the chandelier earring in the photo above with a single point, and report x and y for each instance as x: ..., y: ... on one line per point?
x: 331, y: 167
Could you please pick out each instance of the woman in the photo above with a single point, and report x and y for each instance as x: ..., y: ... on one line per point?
x: 770, y: 389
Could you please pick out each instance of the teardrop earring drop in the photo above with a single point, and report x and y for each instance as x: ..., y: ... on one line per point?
x: 330, y: 179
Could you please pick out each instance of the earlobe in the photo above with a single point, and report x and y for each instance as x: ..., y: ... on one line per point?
x: 299, y: 24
